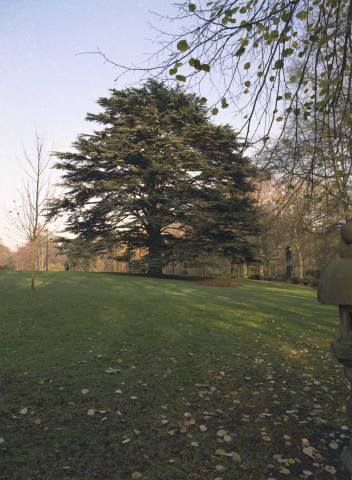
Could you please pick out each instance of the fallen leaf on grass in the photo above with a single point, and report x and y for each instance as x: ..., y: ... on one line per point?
x: 331, y: 470
x: 24, y: 411
x: 309, y: 451
x: 220, y: 451
x: 236, y: 457
x: 112, y: 370
x: 136, y: 475
x: 84, y: 391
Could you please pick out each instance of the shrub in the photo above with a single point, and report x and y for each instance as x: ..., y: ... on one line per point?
x: 310, y: 281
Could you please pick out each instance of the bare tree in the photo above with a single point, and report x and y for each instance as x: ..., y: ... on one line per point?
x: 265, y: 55
x: 277, y: 63
x: 27, y: 218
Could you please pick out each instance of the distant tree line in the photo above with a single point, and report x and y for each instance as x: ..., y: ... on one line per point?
x: 160, y: 189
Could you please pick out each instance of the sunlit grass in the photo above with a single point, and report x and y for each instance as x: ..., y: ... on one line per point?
x: 253, y: 361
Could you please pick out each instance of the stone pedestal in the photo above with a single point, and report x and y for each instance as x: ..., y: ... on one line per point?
x: 335, y: 288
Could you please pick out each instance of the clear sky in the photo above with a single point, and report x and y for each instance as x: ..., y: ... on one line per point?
x: 45, y: 85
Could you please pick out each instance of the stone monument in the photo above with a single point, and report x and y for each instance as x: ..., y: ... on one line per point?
x: 335, y: 288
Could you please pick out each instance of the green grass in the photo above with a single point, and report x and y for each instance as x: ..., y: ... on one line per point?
x: 251, y: 361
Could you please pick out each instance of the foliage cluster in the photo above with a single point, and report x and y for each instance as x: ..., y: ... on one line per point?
x: 159, y: 179
x: 6, y: 260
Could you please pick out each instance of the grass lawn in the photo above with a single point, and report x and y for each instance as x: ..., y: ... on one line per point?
x: 112, y: 377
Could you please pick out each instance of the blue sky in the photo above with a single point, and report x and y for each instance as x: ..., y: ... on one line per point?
x: 45, y: 85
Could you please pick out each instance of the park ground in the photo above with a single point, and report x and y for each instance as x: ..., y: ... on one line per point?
x: 115, y: 377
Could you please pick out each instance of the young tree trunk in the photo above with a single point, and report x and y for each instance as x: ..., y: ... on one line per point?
x: 33, y: 263
x: 300, y: 262
x: 47, y: 253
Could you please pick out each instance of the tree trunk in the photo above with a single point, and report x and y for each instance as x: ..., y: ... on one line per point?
x: 155, y: 264
x: 243, y: 270
x: 233, y: 268
x: 33, y: 263
x: 300, y: 262
x: 47, y: 253
x: 267, y: 271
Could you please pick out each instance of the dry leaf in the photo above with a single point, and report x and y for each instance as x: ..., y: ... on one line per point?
x: 309, y: 451
x: 236, y: 457
x: 112, y: 370
x: 220, y: 451
x: 136, y: 475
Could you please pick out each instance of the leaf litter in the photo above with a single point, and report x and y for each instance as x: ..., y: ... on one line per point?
x: 225, y: 399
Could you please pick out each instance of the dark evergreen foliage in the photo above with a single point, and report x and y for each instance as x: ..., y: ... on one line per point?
x: 160, y: 178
